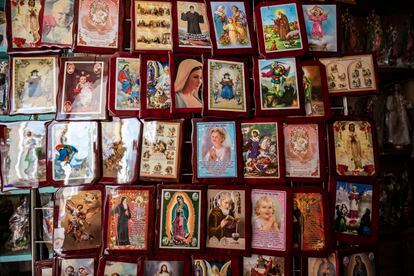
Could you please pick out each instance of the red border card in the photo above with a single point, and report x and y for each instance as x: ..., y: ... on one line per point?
x: 20, y: 41
x: 164, y: 81
x: 119, y: 151
x: 325, y: 223
x: 286, y: 265
x: 33, y: 81
x: 343, y: 256
x: 65, y: 151
x: 234, y: 50
x: 287, y: 220
x: 177, y: 248
x: 149, y: 223
x: 324, y: 94
x: 367, y: 74
x: 337, y: 39
x: 236, y: 154
x: 41, y: 265
x: 165, y: 259
x: 235, y: 93
x: 179, y: 145
x: 332, y: 152
x: 276, y: 79
x: 356, y: 197
x: 188, y: 68
x: 234, y: 263
x: 176, y: 34
x: 64, y: 110
x: 92, y: 208
x: 103, y: 261
x: 298, y: 29
x: 321, y: 148
x: 57, y: 264
x: 225, y: 250
x: 115, y: 78
x: 265, y: 145
x: 134, y: 24
x: 99, y: 49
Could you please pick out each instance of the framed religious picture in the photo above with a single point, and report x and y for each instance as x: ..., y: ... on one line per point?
x: 310, y: 221
x: 187, y: 75
x: 152, y: 26
x: 98, y: 25
x: 354, y: 211
x: 57, y: 23
x: 23, y: 154
x: 129, y: 219
x: 321, y: 24
x: 304, y: 150
x: 191, y: 30
x: 353, y: 148
x: 215, y: 265
x: 228, y: 221
x: 3, y: 28
x: 23, y: 24
x: 354, y: 262
x: 165, y: 265
x: 328, y: 263
x: 180, y: 220
x: 34, y: 84
x: 79, y: 265
x: 265, y: 265
x: 231, y: 27
x: 125, y: 83
x: 77, y: 223
x: 315, y: 89
x: 280, y: 29
x: 160, y: 150
x: 262, y: 151
x: 227, y: 91
x: 271, y: 224
x: 72, y: 153
x: 4, y: 84
x: 351, y: 75
x: 120, y: 150
x: 215, y: 151
x: 278, y: 87
x: 155, y: 87
x: 83, y: 90
x: 44, y: 268
x: 116, y: 266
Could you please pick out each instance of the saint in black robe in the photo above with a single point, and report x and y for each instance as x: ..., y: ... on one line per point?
x: 122, y: 226
x: 193, y: 22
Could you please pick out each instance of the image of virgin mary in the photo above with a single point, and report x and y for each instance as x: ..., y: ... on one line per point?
x: 179, y: 220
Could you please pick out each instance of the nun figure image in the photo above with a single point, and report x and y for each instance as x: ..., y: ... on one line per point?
x: 187, y: 84
x: 124, y: 215
x: 34, y: 83
x: 227, y: 87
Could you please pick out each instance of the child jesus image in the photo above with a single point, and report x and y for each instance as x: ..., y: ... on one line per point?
x: 265, y: 217
x: 218, y: 152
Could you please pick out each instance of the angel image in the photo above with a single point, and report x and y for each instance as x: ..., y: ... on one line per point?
x: 278, y: 73
x: 79, y: 220
x: 215, y: 271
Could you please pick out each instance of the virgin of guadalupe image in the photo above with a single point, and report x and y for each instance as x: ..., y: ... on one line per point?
x: 180, y: 215
x: 326, y: 268
x: 359, y: 267
x: 124, y: 215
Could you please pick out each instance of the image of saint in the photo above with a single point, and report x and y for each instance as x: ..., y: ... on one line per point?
x: 282, y: 24
x: 124, y: 215
x: 29, y: 158
x: 57, y: 25
x: 187, y: 84
x: 231, y: 29
x: 298, y: 224
x: 263, y: 267
x: 34, y: 84
x: 227, y: 87
x: 354, y: 198
x: 83, y: 93
x: 326, y: 268
x: 65, y: 157
x: 193, y: 19
x: 163, y: 271
x: 198, y: 270
x: 359, y: 269
x: 354, y: 146
x: 277, y: 74
x: 317, y: 15
x: 127, y: 84
x: 220, y: 19
x: 180, y: 214
x: 218, y: 151
x: 307, y: 86
x: 223, y: 218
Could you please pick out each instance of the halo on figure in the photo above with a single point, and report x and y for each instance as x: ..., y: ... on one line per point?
x: 256, y: 131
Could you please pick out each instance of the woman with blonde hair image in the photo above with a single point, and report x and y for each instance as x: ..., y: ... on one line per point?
x: 187, y: 84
